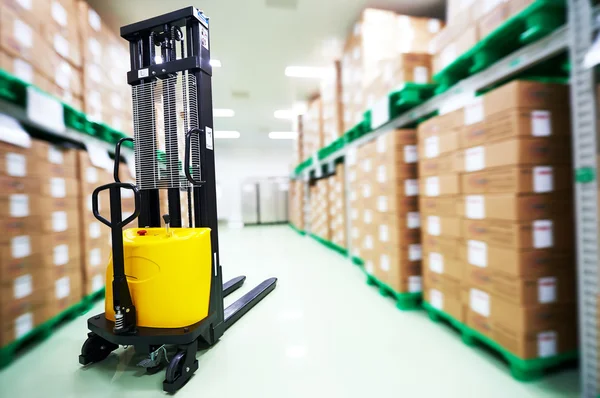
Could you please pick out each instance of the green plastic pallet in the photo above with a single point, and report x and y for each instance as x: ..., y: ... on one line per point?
x: 521, y: 369
x: 358, y: 261
x: 77, y: 120
x: 356, y: 132
x: 13, y: 89
x: 330, y: 245
x: 331, y: 148
x: 404, y: 301
x: 536, y: 21
x: 403, y: 99
x: 300, y: 168
x: 301, y: 232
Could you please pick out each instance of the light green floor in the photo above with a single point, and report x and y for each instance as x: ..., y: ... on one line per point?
x: 322, y: 333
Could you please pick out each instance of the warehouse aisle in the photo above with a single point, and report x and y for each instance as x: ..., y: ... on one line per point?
x: 322, y: 332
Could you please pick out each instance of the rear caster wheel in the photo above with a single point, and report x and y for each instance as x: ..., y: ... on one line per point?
x: 95, y: 349
x: 181, y: 368
x: 175, y: 369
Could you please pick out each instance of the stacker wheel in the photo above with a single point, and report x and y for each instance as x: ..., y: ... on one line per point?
x: 95, y: 349
x: 175, y: 368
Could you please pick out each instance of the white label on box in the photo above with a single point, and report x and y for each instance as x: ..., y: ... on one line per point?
x: 384, y: 234
x: 541, y: 123
x: 432, y: 186
x: 55, y: 155
x: 352, y: 176
x: 94, y: 20
x: 91, y: 175
x: 368, y: 242
x: 62, y: 287
x: 414, y: 252
x: 26, y: 4
x: 477, y: 253
x: 369, y: 267
x: 62, y: 76
x: 547, y: 343
x: 59, y: 221
x: 95, y: 257
x: 381, y: 174
x: 543, y: 236
x: 413, y: 220
x: 436, y: 263
x: 410, y: 154
x: 61, y: 254
x: 366, y: 190
x: 475, y: 159
x: 58, y: 187
x: 368, y: 217
x: 380, y: 144
x: 22, y: 287
x: 23, y: 325
x: 436, y: 299
x: 421, y: 75
x: 380, y: 113
x: 45, y: 110
x: 480, y: 302
x: 96, y: 50
x: 354, y: 214
x: 23, y: 33
x: 411, y: 187
x: 432, y: 147
x: 355, y: 233
x: 61, y: 45
x: 384, y: 262
x: 16, y: 165
x: 19, y: 205
x: 434, y: 226
x: 23, y: 70
x: 97, y: 283
x: 59, y: 13
x: 475, y: 207
x: 474, y: 111
x: 434, y: 25
x: 351, y: 156
x: 20, y: 246
x: 382, y: 204
x: 94, y: 230
x: 547, y: 290
x: 543, y: 179
x: 367, y: 166
x: 415, y: 284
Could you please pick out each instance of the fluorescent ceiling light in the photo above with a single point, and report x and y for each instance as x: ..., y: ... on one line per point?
x: 231, y: 135
x: 215, y: 63
x: 306, y: 71
x: 284, y: 114
x: 283, y: 135
x: 223, y: 113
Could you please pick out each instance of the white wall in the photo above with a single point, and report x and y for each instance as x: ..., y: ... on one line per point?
x: 236, y: 162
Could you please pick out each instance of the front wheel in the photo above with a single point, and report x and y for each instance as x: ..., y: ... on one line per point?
x: 95, y: 349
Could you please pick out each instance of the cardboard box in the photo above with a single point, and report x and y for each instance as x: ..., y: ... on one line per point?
x: 518, y: 179
x: 21, y: 323
x: 397, y: 269
x: 397, y: 228
x: 442, y: 185
x: 32, y: 11
x: 94, y: 282
x: 442, y: 226
x: 493, y: 19
x: 24, y: 70
x: 435, y: 145
x: 446, y: 206
x: 53, y: 154
x: 11, y: 267
x: 441, y: 124
x: 393, y: 145
x: 444, y: 164
x: 64, y: 293
x: 556, y: 233
x: 391, y: 203
x: 64, y: 75
x: 447, y: 303
x: 530, y: 151
x: 433, y: 280
x: 443, y: 264
x: 450, y: 247
x: 517, y: 123
x: 525, y: 207
x: 19, y: 38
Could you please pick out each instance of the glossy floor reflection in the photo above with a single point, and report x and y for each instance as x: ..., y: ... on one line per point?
x: 322, y: 333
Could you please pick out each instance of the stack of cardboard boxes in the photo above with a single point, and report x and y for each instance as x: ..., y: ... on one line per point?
x: 355, y: 202
x: 40, y: 249
x: 337, y: 206
x: 312, y: 124
x: 299, y: 141
x: 331, y: 101
x: 296, y: 204
x: 377, y: 36
x: 518, y: 219
x: 319, y: 209
x: 441, y: 232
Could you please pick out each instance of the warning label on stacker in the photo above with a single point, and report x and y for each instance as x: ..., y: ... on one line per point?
x: 204, y: 36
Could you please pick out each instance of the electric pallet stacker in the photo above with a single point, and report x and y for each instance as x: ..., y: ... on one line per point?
x: 167, y: 287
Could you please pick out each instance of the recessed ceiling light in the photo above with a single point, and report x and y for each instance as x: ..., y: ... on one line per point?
x: 215, y: 63
x: 284, y: 114
x: 306, y: 71
x: 223, y: 113
x: 283, y: 135
x: 227, y: 135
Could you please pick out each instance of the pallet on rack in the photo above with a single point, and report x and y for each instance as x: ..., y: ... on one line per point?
x: 356, y: 132
x: 300, y: 168
x: 331, y: 148
x: 13, y: 89
x: 536, y: 21
x: 358, y: 261
x: 77, y: 120
x: 330, y: 245
x: 404, y: 301
x: 520, y: 369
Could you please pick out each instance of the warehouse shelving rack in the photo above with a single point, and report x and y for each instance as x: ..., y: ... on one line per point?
x: 574, y: 39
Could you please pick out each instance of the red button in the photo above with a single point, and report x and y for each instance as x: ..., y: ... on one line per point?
x: 142, y: 232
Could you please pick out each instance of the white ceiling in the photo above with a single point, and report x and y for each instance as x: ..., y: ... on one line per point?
x: 255, y: 43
